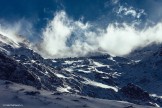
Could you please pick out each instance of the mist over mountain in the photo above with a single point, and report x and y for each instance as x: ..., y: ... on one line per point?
x: 81, y: 53
x: 68, y: 29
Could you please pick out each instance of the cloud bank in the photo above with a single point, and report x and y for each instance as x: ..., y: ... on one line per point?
x: 64, y: 37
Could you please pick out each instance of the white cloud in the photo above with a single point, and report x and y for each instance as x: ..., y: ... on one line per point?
x: 136, y: 13
x: 56, y: 34
x: 122, y: 40
x: 116, y: 39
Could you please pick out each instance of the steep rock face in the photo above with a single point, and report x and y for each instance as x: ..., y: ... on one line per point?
x: 14, y: 71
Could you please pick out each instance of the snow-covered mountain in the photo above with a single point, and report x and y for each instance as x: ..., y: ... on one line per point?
x: 106, y: 77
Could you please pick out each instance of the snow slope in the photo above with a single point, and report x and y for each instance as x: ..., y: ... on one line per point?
x: 12, y: 94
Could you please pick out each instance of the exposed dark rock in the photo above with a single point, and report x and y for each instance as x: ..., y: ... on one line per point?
x: 13, y: 71
x: 135, y: 92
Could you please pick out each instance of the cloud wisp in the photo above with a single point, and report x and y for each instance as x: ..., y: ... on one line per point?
x: 15, y: 29
x: 136, y: 13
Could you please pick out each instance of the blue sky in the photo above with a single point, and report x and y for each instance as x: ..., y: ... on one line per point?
x: 40, y: 11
